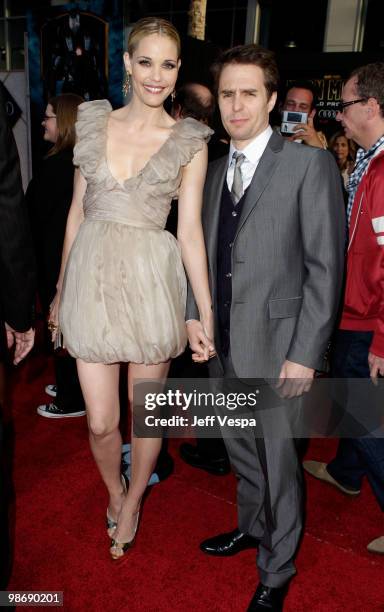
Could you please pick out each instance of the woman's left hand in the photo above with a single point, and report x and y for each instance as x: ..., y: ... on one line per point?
x: 53, y: 319
x: 201, y: 339
x: 208, y: 328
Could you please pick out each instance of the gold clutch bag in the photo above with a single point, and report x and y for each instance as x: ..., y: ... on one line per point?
x: 58, y: 342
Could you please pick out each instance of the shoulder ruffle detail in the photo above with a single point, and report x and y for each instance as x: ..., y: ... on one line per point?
x: 187, y: 138
x: 90, y: 128
x: 192, y: 128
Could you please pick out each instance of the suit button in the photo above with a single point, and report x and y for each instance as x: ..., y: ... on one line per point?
x: 228, y: 275
x: 227, y: 304
x: 234, y: 213
x: 231, y: 244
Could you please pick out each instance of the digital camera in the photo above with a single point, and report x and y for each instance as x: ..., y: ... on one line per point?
x: 290, y: 119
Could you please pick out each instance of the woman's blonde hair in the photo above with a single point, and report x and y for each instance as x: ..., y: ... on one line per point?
x: 65, y: 109
x: 153, y: 25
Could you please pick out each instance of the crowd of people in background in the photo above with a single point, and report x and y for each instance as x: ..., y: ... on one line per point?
x: 312, y: 271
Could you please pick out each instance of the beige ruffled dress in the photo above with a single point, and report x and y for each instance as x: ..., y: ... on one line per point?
x: 124, y: 288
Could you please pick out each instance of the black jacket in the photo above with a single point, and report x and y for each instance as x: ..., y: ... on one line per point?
x: 49, y: 197
x: 17, y: 270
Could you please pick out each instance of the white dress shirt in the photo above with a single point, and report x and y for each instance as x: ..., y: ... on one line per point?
x: 253, y: 153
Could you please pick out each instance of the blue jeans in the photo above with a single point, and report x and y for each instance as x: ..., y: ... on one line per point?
x: 356, y: 457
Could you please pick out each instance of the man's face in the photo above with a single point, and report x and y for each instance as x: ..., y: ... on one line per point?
x: 299, y: 100
x: 354, y: 117
x: 243, y: 102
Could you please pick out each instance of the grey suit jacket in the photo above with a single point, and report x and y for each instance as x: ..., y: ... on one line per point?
x: 287, y: 258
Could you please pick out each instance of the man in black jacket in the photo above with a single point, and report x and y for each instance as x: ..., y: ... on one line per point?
x: 17, y: 290
x: 17, y: 274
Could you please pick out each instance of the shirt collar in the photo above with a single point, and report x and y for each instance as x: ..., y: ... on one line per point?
x: 254, y: 150
x: 362, y: 153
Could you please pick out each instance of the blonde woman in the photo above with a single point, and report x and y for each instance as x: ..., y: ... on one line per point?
x: 122, y: 297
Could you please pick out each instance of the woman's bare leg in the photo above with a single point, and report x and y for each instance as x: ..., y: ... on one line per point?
x: 144, y: 453
x: 100, y: 387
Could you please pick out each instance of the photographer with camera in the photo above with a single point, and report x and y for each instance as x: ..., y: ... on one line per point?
x: 297, y: 113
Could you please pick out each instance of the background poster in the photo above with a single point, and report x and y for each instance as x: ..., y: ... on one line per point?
x: 75, y: 47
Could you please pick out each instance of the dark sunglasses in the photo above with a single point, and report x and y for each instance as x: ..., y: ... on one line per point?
x: 342, y: 105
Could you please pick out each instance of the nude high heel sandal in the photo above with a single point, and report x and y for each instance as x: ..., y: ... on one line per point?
x: 111, y: 524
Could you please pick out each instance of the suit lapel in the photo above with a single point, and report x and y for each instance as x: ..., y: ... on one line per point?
x: 213, y: 194
x: 263, y: 175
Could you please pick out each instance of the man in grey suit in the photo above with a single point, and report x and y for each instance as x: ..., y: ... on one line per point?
x: 273, y: 220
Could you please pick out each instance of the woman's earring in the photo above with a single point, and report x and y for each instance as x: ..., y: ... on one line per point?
x: 173, y: 95
x: 127, y: 84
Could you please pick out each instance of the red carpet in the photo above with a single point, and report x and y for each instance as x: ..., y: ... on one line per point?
x: 60, y: 541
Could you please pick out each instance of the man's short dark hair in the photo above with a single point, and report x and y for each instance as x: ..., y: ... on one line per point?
x: 370, y: 82
x: 191, y: 105
x: 303, y: 84
x: 250, y: 54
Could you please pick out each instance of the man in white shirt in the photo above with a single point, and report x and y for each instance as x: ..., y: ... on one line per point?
x: 273, y: 220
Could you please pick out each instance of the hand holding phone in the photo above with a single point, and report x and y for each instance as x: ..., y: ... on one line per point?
x: 289, y: 121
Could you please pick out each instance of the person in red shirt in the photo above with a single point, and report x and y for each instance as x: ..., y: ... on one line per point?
x: 359, y: 344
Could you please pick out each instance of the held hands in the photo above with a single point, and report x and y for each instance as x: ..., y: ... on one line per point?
x: 23, y: 342
x: 307, y: 133
x: 294, y: 379
x: 376, y: 367
x: 200, y: 334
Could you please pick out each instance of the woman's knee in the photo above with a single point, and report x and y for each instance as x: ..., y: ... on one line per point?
x: 100, y: 427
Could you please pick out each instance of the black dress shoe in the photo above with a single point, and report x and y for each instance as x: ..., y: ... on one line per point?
x: 228, y: 544
x: 268, y: 598
x: 190, y: 454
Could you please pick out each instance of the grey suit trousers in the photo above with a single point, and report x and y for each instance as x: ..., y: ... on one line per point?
x: 269, y: 495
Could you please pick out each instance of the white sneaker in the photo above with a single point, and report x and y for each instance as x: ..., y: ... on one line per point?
x: 51, y: 390
x: 54, y: 412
